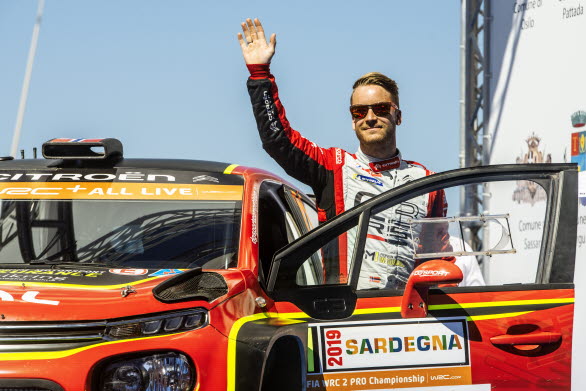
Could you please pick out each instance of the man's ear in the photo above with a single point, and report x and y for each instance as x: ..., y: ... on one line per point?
x: 354, y: 125
x: 398, y: 117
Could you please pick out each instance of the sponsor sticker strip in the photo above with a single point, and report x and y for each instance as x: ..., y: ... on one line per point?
x: 83, y: 278
x: 76, y: 140
x: 382, y: 380
x: 119, y: 191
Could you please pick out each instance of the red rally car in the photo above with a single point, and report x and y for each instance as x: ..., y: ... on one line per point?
x: 174, y: 275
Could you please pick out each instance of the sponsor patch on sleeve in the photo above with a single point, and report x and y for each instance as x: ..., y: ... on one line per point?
x: 368, y: 179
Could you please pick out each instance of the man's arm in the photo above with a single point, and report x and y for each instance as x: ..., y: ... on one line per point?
x: 434, y: 237
x: 298, y: 156
x: 440, y: 209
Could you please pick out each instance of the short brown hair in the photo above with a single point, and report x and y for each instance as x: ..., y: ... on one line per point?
x: 378, y: 79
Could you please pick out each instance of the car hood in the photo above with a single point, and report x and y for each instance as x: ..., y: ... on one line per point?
x: 66, y: 294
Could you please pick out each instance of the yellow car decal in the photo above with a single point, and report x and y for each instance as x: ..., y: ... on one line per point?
x: 14, y: 356
x: 79, y: 286
x: 230, y: 168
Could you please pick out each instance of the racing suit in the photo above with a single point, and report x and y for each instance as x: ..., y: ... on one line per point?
x: 342, y: 180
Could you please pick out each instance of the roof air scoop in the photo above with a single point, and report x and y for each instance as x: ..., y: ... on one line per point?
x: 82, y: 148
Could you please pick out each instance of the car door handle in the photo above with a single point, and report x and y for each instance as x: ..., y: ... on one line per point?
x: 539, y: 338
x: 329, y: 305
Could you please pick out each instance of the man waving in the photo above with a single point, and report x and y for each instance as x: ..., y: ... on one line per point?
x: 341, y: 179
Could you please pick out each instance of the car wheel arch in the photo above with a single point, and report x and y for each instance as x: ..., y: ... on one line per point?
x: 264, y: 348
x: 285, y: 365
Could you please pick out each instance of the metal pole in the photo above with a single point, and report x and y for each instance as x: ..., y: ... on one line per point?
x: 486, y: 136
x: 473, y: 102
x: 27, y: 79
x: 463, y: 81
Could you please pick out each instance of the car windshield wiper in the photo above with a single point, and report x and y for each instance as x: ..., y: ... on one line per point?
x: 51, y: 259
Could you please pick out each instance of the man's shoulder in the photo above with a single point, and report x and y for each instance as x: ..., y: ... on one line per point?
x: 338, y: 155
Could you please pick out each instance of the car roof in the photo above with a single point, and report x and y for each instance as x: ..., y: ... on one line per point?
x: 219, y: 169
x: 169, y: 164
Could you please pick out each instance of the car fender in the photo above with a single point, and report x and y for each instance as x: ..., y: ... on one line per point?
x: 268, y: 350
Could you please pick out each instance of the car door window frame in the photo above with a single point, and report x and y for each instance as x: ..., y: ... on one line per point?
x: 294, y: 223
x: 282, y: 204
x: 303, y: 221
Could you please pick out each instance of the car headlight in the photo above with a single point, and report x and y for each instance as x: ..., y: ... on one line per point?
x: 171, y: 322
x: 155, y: 372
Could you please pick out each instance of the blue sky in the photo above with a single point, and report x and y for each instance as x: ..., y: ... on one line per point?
x: 167, y: 77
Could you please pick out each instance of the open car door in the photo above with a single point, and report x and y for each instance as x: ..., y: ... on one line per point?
x: 415, y: 304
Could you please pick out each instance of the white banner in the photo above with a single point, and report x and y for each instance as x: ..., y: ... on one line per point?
x: 537, y: 93
x: 538, y: 109
x: 397, y: 344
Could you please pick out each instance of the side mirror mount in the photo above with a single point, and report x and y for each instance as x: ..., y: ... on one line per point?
x: 434, y: 272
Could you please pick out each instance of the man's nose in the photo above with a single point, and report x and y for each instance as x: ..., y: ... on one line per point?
x: 370, y: 116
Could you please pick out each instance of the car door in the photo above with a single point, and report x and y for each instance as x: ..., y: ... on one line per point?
x: 374, y: 330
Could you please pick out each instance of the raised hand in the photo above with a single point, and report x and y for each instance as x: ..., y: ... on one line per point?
x: 255, y: 48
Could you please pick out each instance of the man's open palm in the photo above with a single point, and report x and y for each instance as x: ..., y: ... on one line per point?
x: 255, y: 48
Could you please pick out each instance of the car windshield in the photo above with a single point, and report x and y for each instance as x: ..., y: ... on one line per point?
x: 129, y: 233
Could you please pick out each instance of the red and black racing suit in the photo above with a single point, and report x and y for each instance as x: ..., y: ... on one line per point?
x: 342, y: 180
